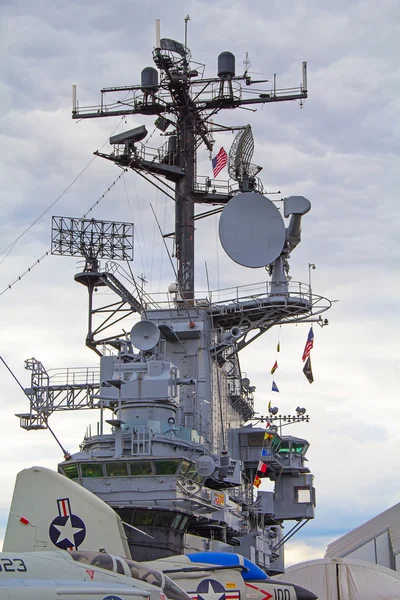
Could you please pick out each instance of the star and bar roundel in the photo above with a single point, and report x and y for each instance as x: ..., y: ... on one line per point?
x: 211, y: 589
x: 67, y: 531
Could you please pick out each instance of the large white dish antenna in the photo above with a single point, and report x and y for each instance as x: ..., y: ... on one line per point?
x: 145, y: 335
x: 251, y: 230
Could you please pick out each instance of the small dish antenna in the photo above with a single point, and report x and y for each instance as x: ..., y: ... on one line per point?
x: 145, y: 335
x: 251, y: 230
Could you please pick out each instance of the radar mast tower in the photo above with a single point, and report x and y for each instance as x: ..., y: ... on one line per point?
x: 186, y: 101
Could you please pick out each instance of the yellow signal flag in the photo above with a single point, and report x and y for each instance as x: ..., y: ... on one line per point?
x: 257, y: 481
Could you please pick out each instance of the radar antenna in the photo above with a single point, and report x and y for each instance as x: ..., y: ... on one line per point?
x: 239, y: 166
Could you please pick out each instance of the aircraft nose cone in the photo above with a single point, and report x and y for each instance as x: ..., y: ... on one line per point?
x: 301, y: 593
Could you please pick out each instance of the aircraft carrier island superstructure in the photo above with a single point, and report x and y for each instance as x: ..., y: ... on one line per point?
x: 185, y: 448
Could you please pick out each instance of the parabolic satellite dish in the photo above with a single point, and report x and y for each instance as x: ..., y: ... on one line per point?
x: 251, y: 230
x: 145, y: 335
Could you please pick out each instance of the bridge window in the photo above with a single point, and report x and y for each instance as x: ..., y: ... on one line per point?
x: 176, y: 522
x: 164, y: 519
x: 141, y: 467
x: 166, y: 467
x: 185, y: 464
x: 182, y: 525
x: 92, y: 469
x: 70, y: 471
x: 299, y: 447
x: 275, y: 443
x: 143, y: 517
x: 116, y: 469
x: 255, y: 439
x: 191, y: 472
x: 284, y: 448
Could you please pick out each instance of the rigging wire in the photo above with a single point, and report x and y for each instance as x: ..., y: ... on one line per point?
x: 10, y: 247
x: 154, y: 242
x: 143, y: 255
x: 172, y: 264
x: 162, y: 254
x: 38, y: 260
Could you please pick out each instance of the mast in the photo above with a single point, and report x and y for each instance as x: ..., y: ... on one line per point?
x: 185, y: 103
x: 184, y: 205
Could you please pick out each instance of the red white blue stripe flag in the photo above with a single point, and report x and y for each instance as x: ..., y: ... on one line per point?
x: 309, y: 345
x: 219, y: 161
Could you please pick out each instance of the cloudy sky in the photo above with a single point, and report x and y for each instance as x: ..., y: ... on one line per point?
x: 340, y: 151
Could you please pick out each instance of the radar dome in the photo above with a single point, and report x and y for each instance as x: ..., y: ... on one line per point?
x: 226, y: 65
x: 149, y: 79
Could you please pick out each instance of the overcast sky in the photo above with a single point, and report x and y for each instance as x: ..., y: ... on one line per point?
x: 341, y: 151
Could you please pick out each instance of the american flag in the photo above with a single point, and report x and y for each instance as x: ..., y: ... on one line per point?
x: 309, y: 345
x: 219, y: 161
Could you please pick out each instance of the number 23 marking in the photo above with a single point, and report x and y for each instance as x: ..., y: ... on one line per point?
x: 9, y: 565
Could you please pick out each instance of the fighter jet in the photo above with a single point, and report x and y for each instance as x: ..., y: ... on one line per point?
x: 63, y: 540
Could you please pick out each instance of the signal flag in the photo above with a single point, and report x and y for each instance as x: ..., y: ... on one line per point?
x: 257, y: 481
x: 262, y: 467
x: 309, y: 344
x: 307, y: 370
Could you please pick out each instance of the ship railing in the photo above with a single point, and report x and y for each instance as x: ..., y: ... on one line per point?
x: 133, y: 99
x: 74, y: 376
x: 257, y: 290
x: 204, y: 185
x: 237, y: 295
x: 144, y: 152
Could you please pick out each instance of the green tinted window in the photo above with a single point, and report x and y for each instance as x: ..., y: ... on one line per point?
x: 164, y: 519
x: 144, y: 518
x: 92, y: 469
x: 275, y: 443
x: 284, y: 448
x: 141, y: 467
x: 182, y: 525
x: 116, y: 469
x: 70, y: 471
x: 166, y: 467
x: 176, y: 521
x: 198, y: 478
x: 185, y: 464
x: 297, y: 448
